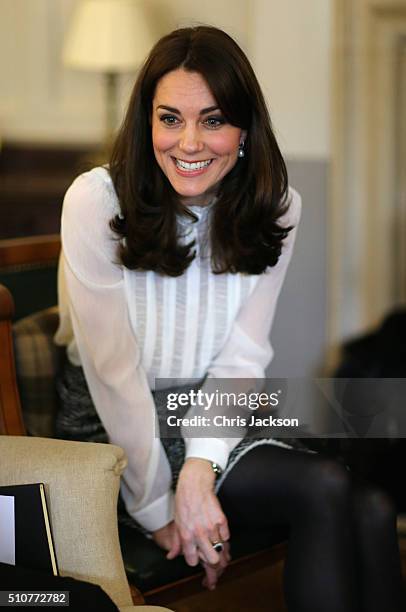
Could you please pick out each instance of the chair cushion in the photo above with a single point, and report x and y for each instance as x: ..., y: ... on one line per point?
x: 38, y: 361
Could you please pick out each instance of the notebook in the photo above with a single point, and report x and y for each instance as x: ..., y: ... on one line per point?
x: 25, y: 530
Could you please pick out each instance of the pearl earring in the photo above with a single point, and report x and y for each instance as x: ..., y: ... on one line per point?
x: 241, y: 152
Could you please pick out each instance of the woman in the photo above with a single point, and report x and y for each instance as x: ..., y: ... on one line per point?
x: 173, y: 260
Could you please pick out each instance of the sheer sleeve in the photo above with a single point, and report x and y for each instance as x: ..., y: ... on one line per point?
x: 248, y: 350
x: 107, y: 347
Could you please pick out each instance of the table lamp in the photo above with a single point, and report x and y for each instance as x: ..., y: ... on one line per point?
x: 108, y: 36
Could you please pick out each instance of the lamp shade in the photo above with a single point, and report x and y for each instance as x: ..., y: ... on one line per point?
x: 107, y: 36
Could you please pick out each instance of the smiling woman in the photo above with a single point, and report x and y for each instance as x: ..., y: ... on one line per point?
x: 173, y: 260
x: 194, y: 144
x: 199, y: 92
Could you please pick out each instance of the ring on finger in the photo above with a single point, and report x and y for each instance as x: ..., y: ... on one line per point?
x: 218, y: 546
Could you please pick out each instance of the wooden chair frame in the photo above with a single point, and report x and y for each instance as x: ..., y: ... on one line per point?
x: 18, y: 253
x: 11, y: 420
x: 29, y: 252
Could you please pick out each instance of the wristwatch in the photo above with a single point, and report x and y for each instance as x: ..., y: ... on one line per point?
x: 216, y: 468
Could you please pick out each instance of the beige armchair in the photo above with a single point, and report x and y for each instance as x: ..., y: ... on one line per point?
x: 82, y: 483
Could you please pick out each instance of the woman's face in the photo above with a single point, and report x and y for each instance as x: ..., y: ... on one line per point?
x: 194, y: 145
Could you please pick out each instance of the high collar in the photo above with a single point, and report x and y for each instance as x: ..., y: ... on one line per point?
x: 201, y: 212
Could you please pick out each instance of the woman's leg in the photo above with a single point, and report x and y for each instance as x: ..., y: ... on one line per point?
x: 313, y: 495
x: 272, y: 485
x: 378, y: 559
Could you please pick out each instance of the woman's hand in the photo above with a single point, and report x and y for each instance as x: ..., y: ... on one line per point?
x: 199, y: 518
x: 213, y: 572
x: 168, y: 538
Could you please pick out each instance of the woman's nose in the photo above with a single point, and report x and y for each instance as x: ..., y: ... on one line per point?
x: 190, y: 140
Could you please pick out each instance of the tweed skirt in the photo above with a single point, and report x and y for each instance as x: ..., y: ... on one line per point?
x: 77, y: 419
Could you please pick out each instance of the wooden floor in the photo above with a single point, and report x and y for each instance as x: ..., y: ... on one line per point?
x: 259, y: 592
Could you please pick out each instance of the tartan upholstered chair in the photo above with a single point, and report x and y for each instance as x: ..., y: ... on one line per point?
x: 28, y: 271
x: 29, y: 364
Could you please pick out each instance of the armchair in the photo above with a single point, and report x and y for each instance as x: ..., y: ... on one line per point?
x: 82, y: 482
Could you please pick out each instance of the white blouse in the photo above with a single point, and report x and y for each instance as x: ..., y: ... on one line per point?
x: 128, y: 328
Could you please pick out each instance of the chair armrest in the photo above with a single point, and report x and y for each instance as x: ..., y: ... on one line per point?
x: 6, y: 304
x: 30, y: 250
x: 11, y: 421
x: 82, y: 483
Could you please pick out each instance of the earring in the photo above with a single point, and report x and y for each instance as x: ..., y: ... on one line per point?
x: 241, y: 152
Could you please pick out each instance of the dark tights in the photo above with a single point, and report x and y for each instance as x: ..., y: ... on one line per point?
x: 343, y: 553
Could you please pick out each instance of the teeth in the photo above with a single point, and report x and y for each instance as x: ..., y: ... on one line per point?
x: 192, y: 166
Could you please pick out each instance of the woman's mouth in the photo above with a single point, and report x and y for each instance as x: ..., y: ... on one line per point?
x: 191, y: 168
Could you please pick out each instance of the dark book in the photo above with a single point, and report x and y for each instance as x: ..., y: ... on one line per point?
x: 34, y: 547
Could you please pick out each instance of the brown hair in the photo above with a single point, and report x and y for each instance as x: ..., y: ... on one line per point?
x: 244, y: 233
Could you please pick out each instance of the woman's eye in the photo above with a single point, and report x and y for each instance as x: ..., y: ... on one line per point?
x: 169, y: 119
x: 214, y: 122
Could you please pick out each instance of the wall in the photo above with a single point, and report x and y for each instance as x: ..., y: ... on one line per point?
x: 368, y: 203
x: 290, y: 49
x: 299, y: 331
x: 43, y: 101
x: 288, y: 42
